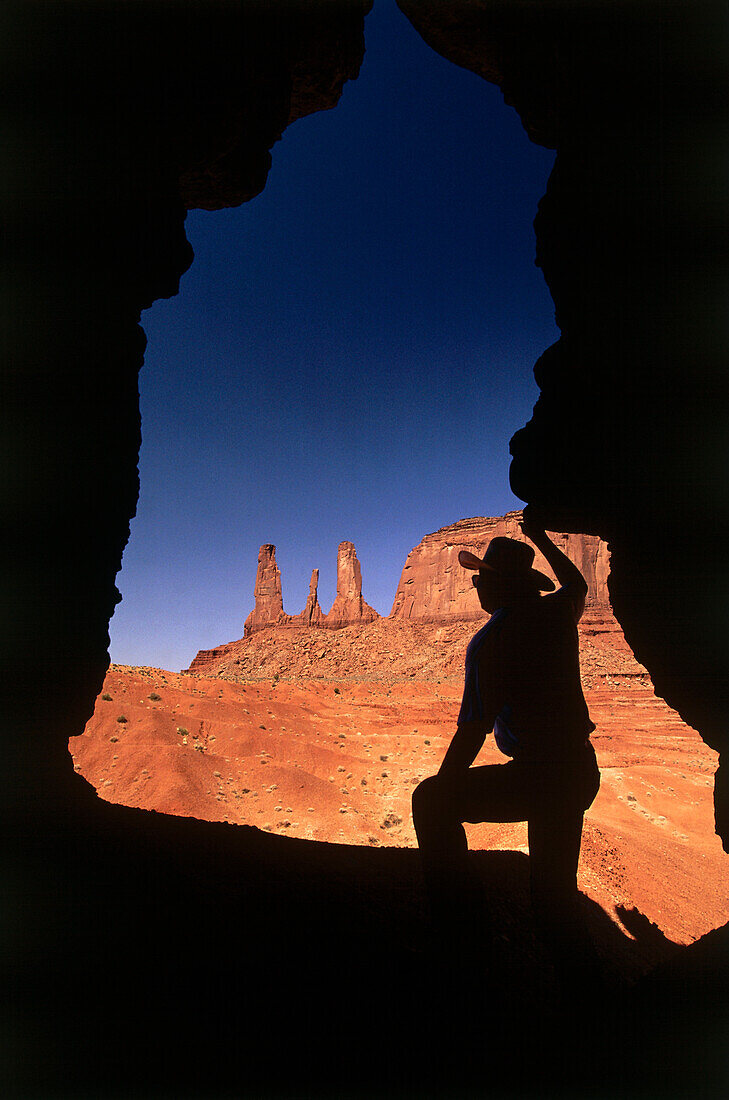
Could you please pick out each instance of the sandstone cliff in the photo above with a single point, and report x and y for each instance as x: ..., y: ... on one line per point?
x: 435, y: 588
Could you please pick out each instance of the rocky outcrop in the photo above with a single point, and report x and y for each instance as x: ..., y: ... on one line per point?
x: 434, y: 587
x: 349, y: 606
x: 267, y: 593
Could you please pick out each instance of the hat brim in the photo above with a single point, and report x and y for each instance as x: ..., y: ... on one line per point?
x: 470, y: 561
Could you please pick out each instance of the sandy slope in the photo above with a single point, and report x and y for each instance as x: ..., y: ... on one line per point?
x: 338, y: 761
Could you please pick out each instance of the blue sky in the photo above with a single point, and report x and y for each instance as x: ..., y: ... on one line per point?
x: 347, y: 357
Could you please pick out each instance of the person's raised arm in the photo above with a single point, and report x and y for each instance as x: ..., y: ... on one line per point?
x: 573, y: 584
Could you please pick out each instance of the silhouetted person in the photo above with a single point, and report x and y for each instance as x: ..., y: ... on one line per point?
x: 522, y: 681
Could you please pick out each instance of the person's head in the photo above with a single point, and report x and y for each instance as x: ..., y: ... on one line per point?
x: 495, y: 590
x: 505, y: 574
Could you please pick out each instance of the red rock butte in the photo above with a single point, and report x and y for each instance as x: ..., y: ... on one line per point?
x: 435, y: 588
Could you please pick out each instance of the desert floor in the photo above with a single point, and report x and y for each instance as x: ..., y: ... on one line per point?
x: 337, y: 762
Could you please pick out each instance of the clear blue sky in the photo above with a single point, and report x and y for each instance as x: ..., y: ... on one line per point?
x: 347, y: 357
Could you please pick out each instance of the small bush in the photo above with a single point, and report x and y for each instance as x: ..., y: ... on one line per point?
x: 122, y: 718
x: 106, y: 697
x: 154, y: 697
x: 337, y: 691
x: 182, y: 731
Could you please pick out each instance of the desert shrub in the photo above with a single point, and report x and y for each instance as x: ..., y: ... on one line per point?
x: 182, y: 731
x: 122, y: 718
x: 337, y: 691
x: 106, y: 697
x: 155, y: 698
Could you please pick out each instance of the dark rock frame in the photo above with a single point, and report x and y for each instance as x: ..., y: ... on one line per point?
x: 123, y: 928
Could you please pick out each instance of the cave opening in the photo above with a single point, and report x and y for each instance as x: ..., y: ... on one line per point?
x: 297, y: 298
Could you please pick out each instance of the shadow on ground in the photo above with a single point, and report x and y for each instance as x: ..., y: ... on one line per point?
x: 157, y: 956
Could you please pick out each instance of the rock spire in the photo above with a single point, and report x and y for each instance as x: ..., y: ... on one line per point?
x: 312, y: 614
x: 349, y: 605
x: 267, y: 592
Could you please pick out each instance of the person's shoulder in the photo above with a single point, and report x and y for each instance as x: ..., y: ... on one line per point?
x: 485, y: 633
x: 479, y: 636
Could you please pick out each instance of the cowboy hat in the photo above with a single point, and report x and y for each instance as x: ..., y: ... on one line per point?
x: 509, y: 558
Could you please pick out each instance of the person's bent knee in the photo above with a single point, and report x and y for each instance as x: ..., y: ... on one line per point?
x: 426, y: 800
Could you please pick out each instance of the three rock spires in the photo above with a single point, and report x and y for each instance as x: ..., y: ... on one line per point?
x: 348, y: 607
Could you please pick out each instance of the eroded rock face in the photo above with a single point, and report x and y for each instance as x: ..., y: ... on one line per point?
x: 349, y: 605
x: 434, y: 587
